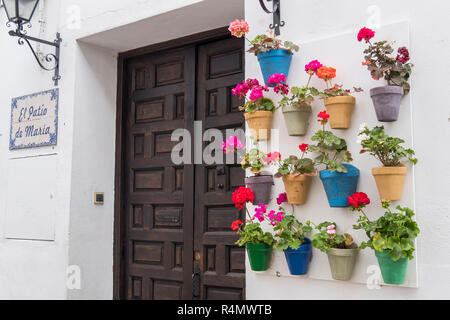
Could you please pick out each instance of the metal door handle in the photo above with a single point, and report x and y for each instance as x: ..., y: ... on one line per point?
x: 196, y: 284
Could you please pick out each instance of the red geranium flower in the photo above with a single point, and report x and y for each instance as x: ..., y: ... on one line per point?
x: 241, y: 196
x: 303, y: 147
x: 365, y: 34
x: 324, y: 116
x: 235, y: 225
x: 358, y: 200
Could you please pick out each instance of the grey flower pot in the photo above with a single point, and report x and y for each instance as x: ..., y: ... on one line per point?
x: 342, y: 262
x: 261, y: 187
x: 386, y: 101
x: 297, y: 118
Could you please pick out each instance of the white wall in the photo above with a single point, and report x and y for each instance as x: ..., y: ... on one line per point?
x: 31, y: 269
x: 328, y: 19
x: 93, y: 33
x: 84, y: 156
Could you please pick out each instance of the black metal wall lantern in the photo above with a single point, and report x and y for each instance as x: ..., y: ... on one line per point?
x: 277, y: 23
x: 20, y: 13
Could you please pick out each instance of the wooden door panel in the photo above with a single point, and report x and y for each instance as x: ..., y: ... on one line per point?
x: 166, y: 91
x: 220, y: 68
x: 159, y: 205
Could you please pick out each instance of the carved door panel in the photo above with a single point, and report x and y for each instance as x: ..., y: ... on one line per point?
x: 165, y: 91
x: 159, y: 205
x: 219, y: 261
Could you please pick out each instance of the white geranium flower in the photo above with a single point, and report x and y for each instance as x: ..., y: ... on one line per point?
x: 363, y: 126
x: 361, y: 138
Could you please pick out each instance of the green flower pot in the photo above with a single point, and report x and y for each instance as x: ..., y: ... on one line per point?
x: 393, y: 272
x: 297, y: 118
x: 259, y: 255
x: 342, y: 263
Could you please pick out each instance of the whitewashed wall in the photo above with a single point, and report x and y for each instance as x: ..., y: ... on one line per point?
x: 93, y: 33
x: 326, y: 31
x: 83, y: 160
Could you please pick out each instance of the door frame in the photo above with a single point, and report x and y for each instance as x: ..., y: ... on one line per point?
x: 119, y: 230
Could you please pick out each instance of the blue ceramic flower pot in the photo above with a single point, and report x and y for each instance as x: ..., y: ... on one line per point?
x: 339, y: 186
x: 274, y: 61
x: 298, y: 260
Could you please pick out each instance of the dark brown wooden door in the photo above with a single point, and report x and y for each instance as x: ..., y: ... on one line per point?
x: 166, y: 91
x: 221, y: 263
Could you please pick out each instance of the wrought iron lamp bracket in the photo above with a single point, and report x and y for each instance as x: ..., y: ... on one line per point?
x: 277, y: 22
x: 53, y: 58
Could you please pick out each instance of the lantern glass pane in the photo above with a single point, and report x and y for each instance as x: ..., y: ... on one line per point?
x: 26, y: 9
x: 10, y: 8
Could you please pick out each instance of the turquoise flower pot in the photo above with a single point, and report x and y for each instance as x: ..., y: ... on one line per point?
x: 274, y: 62
x: 339, y: 186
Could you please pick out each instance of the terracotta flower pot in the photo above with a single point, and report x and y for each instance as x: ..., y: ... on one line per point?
x: 342, y: 262
x: 260, y: 123
x: 340, y: 110
x: 390, y: 181
x: 261, y: 187
x: 386, y: 101
x: 297, y: 118
x: 297, y: 188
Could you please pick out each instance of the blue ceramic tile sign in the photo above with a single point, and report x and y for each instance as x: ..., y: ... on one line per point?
x: 34, y: 120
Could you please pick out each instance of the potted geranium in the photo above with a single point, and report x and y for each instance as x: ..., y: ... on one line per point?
x: 396, y: 71
x: 290, y: 235
x: 297, y: 107
x: 258, y: 243
x: 258, y: 110
x: 388, y: 150
x: 296, y: 174
x: 339, y: 102
x: 273, y: 54
x: 391, y: 237
x: 340, y: 179
x: 340, y: 248
x: 254, y: 159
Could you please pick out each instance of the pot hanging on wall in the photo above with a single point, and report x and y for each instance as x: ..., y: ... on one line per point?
x: 298, y: 260
x: 260, y: 124
x: 390, y: 182
x: 276, y: 61
x: 259, y: 256
x: 297, y: 188
x: 261, y: 187
x: 342, y: 263
x: 393, y: 272
x: 339, y: 185
x: 296, y: 117
x: 386, y: 101
x: 341, y: 110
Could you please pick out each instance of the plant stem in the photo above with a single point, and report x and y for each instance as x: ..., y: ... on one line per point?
x: 362, y: 211
x: 309, y: 80
x: 248, y: 213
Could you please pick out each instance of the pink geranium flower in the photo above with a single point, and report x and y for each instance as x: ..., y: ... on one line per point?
x: 239, y: 28
x: 272, y: 157
x: 259, y: 212
x: 282, y: 198
x: 331, y: 230
x: 232, y: 144
x: 277, y: 78
x: 256, y: 94
x: 313, y: 66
